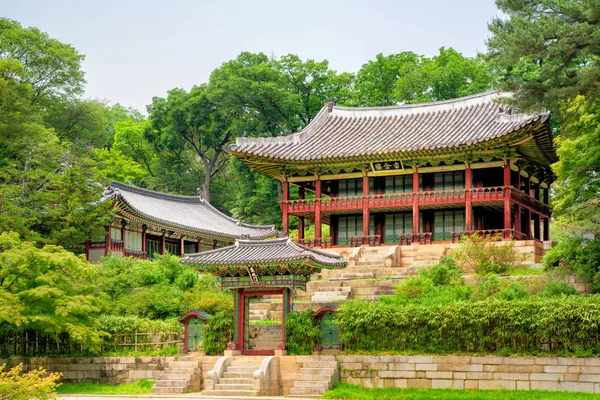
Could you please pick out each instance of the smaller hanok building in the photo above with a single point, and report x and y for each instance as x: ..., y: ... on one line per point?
x: 413, y: 174
x: 148, y: 223
x: 257, y: 268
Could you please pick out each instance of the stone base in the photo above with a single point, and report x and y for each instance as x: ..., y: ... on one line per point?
x: 232, y: 353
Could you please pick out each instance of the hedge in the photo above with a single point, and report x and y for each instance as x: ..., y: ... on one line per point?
x: 556, y: 326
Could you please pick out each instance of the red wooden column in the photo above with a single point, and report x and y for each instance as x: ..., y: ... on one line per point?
x: 144, y: 240
x: 181, y: 246
x: 415, y: 206
x: 301, y: 219
x: 546, y: 229
x: 527, y: 209
x: 123, y: 236
x: 365, y: 205
x: 468, y: 194
x: 536, y: 227
x: 163, y: 242
x: 284, y: 207
x: 507, y: 221
x: 318, y: 211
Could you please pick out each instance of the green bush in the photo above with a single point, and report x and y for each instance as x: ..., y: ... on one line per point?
x: 301, y: 333
x: 218, y: 332
x: 581, y: 256
x: 478, y: 254
x: 446, y: 272
x: 550, y: 325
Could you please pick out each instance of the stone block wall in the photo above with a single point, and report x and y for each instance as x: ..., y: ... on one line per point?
x: 113, y: 370
x: 513, y: 373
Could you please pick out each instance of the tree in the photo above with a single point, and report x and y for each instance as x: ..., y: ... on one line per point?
x: 52, y: 68
x: 547, y: 49
x: 50, y: 290
x: 376, y: 80
x: 194, y: 120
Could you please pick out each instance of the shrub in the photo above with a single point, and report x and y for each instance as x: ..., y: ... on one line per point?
x: 565, y: 325
x: 444, y: 273
x: 301, y: 333
x: 35, y: 384
x: 582, y: 256
x: 478, y: 254
x: 218, y: 332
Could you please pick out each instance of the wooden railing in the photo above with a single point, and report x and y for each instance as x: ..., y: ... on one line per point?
x: 420, y: 238
x: 403, y: 200
x: 135, y: 253
x: 487, y: 194
x: 368, y: 240
x: 485, y: 233
x: 116, y: 245
x: 441, y: 197
x: 323, y: 243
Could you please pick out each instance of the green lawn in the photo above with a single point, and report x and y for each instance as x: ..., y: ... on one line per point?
x: 141, y: 387
x: 352, y: 392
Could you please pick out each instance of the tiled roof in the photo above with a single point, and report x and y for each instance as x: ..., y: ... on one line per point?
x: 344, y: 132
x: 249, y: 252
x: 191, y: 213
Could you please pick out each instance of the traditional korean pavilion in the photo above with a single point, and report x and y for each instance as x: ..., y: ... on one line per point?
x: 254, y: 268
x: 413, y: 173
x: 148, y: 222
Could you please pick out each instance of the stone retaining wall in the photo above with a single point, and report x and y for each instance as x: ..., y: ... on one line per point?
x: 97, y: 369
x: 513, y: 373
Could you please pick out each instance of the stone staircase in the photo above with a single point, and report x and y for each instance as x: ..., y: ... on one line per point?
x: 331, y: 294
x: 316, y: 377
x: 264, y: 337
x: 259, y: 311
x: 181, y: 376
x: 237, y: 380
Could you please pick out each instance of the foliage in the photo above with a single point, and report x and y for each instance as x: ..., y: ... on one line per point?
x: 483, y: 256
x: 140, y: 387
x: 34, y: 384
x: 218, y: 332
x: 577, y: 254
x: 48, y: 290
x: 131, y: 324
x: 549, y: 48
x: 153, y: 289
x: 302, y: 332
x: 347, y: 391
x: 557, y: 325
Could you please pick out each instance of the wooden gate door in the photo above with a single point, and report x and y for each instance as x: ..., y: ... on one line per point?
x: 195, y: 334
x: 330, y: 332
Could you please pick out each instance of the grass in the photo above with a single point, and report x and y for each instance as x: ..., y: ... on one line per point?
x: 266, y: 322
x: 166, y: 352
x: 351, y: 392
x: 142, y: 387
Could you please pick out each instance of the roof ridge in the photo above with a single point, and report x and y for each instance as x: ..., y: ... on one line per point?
x: 153, y: 193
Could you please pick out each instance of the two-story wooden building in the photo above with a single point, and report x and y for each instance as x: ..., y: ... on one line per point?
x: 413, y: 173
x: 148, y: 222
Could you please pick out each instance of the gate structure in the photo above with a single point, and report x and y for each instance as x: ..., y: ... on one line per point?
x: 194, y: 323
x: 253, y: 268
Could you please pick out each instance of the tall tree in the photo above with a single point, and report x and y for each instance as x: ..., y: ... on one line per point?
x: 548, y: 49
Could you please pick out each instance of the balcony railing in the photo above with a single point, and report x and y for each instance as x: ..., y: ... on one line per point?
x: 415, y: 238
x: 369, y: 240
x: 323, y: 243
x: 404, y: 200
x: 135, y: 253
x: 116, y: 245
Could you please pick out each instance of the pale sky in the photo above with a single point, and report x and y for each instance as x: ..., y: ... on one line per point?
x: 138, y: 49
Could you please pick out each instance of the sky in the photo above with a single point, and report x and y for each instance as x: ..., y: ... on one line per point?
x: 138, y: 49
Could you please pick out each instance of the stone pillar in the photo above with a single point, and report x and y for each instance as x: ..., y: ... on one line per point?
x: 468, y: 194
x: 415, y: 205
x: 365, y: 205
x: 284, y: 207
x: 318, y: 232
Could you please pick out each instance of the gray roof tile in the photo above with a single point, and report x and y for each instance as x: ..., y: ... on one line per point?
x: 185, y: 212
x: 263, y: 251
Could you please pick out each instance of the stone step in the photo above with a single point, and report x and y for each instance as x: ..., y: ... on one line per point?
x: 177, y: 377
x: 357, y: 275
x: 229, y: 393
x: 167, y: 390
x: 247, y: 360
x: 242, y: 368
x: 237, y: 375
x: 316, y: 371
x: 312, y: 384
x: 228, y: 386
x: 303, y: 391
x: 181, y: 371
x: 236, y: 381
x: 320, y: 364
x: 183, y: 364
x: 313, y: 377
x: 182, y: 383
